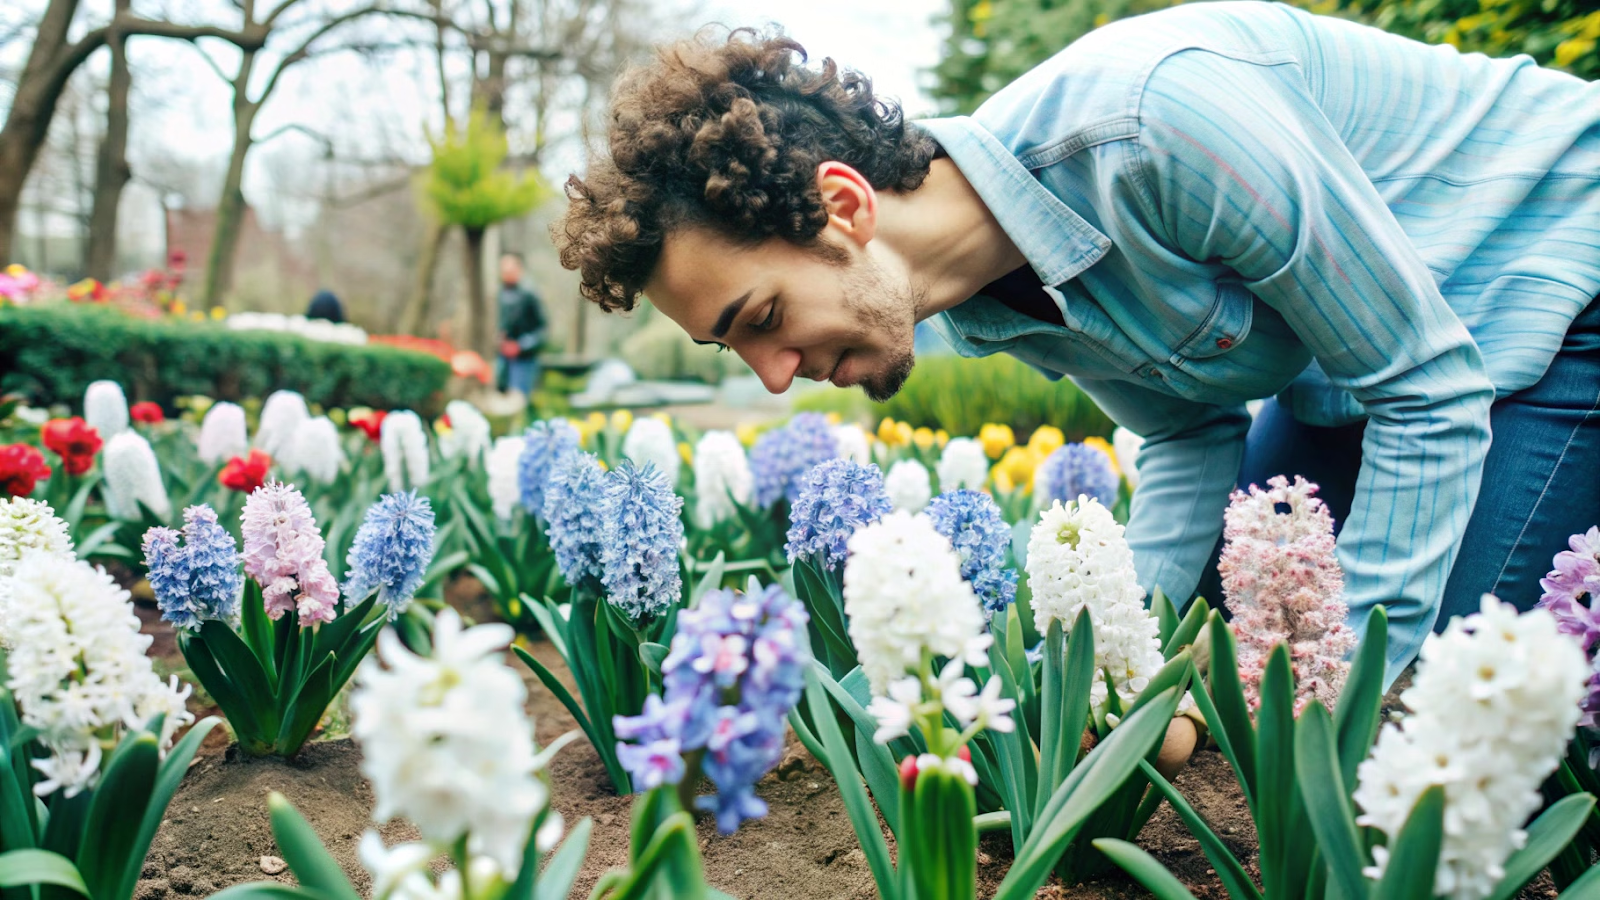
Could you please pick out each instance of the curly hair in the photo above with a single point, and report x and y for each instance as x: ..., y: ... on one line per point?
x: 729, y: 136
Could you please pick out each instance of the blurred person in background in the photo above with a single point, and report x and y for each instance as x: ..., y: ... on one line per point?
x: 522, y: 327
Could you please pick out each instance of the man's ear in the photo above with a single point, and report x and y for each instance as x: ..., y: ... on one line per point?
x: 850, y: 200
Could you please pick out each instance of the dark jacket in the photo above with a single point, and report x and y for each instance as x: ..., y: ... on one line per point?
x: 522, y: 318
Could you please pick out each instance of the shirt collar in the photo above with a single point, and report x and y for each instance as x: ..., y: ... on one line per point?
x: 1055, y: 241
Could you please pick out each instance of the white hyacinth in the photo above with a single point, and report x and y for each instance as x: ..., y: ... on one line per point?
x: 1127, y: 446
x: 904, y: 594
x: 405, y: 450
x: 133, y: 477
x: 314, y: 449
x: 446, y: 743
x: 852, y: 443
x: 223, y: 433
x: 963, y: 465
x: 105, y: 408
x: 501, y: 468
x: 1077, y: 558
x: 30, y: 525
x: 1493, y: 706
x: 469, y: 433
x: 908, y: 486
x: 721, y: 477
x: 78, y: 668
x: 650, y: 440
x: 280, y: 416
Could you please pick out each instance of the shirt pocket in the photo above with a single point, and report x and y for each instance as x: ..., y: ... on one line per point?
x: 1224, y: 328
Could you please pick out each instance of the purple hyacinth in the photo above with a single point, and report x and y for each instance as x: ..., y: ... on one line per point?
x: 836, y: 497
x: 199, y: 580
x: 975, y: 527
x: 782, y: 456
x: 1078, y: 469
x: 1572, y: 595
x: 735, y: 670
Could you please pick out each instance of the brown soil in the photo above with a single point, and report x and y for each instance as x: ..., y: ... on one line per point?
x: 217, y: 829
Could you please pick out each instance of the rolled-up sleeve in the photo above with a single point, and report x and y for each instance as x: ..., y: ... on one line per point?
x: 1241, y: 167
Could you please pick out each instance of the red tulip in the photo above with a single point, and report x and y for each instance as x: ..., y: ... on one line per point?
x: 246, y: 474
x: 147, y: 412
x: 21, y: 467
x: 371, y: 423
x: 74, y: 440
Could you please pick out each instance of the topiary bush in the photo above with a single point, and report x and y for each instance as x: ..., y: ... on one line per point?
x: 51, y: 353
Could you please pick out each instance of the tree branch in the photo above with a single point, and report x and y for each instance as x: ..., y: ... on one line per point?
x: 272, y: 17
x: 131, y: 25
x: 324, y: 140
x: 304, y: 50
x: 211, y: 62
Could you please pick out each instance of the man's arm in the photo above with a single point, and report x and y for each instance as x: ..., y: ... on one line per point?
x: 1241, y: 167
x: 533, y: 318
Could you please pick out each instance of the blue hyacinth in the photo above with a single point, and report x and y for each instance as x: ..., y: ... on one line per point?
x: 545, y: 447
x: 782, y: 456
x: 574, y: 507
x: 735, y: 670
x: 391, y: 551
x: 199, y: 580
x: 975, y: 527
x: 836, y: 498
x: 640, y: 541
x: 1075, y: 469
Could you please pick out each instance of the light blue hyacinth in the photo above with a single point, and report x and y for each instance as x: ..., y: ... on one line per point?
x: 1077, y: 469
x: 782, y: 456
x: 574, y: 507
x: 977, y: 530
x: 200, y: 579
x: 545, y: 448
x: 391, y: 551
x: 640, y: 541
x: 836, y: 498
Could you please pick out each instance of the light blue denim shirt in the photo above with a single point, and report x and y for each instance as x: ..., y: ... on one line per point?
x: 1237, y: 200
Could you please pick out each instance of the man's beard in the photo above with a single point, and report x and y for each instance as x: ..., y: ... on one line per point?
x: 884, y: 310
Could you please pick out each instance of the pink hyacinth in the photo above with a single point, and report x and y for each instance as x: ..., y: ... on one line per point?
x: 1572, y: 595
x: 283, y: 553
x: 1283, y: 584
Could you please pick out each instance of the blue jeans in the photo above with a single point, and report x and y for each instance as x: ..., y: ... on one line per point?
x: 520, y: 374
x: 1539, y: 478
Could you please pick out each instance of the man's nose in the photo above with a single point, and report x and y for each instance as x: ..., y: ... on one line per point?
x: 775, y: 368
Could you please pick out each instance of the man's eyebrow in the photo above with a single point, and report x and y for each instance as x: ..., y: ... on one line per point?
x: 729, y: 312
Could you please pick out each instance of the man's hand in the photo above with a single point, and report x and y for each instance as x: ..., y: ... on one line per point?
x: 509, y: 347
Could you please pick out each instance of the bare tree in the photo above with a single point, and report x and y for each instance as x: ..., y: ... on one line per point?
x: 111, y: 172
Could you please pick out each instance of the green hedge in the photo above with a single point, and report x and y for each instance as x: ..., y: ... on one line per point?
x: 51, y: 353
x: 960, y: 395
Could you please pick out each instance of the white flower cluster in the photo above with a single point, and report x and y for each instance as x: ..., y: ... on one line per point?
x: 1127, y: 446
x: 78, y: 668
x: 502, y: 473
x: 223, y: 433
x: 650, y: 440
x: 27, y: 525
x: 133, y: 476
x: 1078, y: 558
x: 280, y: 416
x: 314, y: 329
x: 469, y: 433
x: 1493, y: 706
x: 852, y: 443
x: 908, y: 486
x: 314, y: 449
x: 904, y: 594
x: 721, y: 477
x: 446, y: 745
x: 105, y: 408
x: 963, y: 465
x: 405, y: 450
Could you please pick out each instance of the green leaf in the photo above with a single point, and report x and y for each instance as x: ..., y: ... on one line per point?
x: 1189, y: 629
x: 1316, y: 765
x: 19, y: 868
x: 91, y: 545
x: 619, y: 777
x: 555, y: 882
x: 1414, y: 855
x: 1166, y: 616
x: 672, y: 852
x: 652, y: 655
x: 1587, y: 887
x: 1229, y: 714
x: 1229, y: 870
x: 1275, y: 779
x: 244, y: 672
x: 168, y: 777
x: 1144, y: 869
x: 18, y: 822
x: 862, y: 817
x: 874, y: 760
x: 305, y: 710
x: 1549, y: 833
x: 1355, y: 717
x: 310, y: 861
x: 710, y: 581
x: 111, y: 828
x: 267, y: 890
x: 258, y: 628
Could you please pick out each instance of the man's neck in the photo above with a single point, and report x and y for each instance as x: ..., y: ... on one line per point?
x: 946, y: 237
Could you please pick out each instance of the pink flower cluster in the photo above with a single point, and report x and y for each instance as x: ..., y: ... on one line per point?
x: 1283, y: 585
x: 1572, y: 595
x: 283, y: 553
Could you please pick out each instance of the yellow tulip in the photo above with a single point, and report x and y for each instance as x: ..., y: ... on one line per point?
x: 621, y: 420
x: 923, y: 437
x: 687, y: 452
x: 596, y: 422
x: 1100, y: 443
x: 1002, y: 481
x: 941, y: 437
x: 218, y: 313
x: 996, y: 439
x: 886, y: 431
x: 833, y: 418
x: 747, y: 434
x: 1045, y: 439
x: 1017, y: 466
x: 663, y: 418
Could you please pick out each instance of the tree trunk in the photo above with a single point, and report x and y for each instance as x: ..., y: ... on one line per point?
x: 111, y: 171
x: 414, y: 317
x: 481, y: 326
x: 230, y: 205
x: 33, y: 104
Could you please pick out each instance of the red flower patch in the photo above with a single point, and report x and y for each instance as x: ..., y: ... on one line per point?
x: 74, y: 440
x: 21, y: 467
x: 245, y: 474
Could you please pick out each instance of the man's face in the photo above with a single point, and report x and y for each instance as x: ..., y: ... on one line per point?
x: 788, y: 311
x: 510, y: 270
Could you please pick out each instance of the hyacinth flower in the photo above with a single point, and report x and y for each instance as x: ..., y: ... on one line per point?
x: 616, y: 537
x: 781, y: 457
x: 1570, y: 595
x: 837, y: 498
x: 90, y: 731
x: 936, y: 734
x: 973, y: 524
x: 1073, y: 470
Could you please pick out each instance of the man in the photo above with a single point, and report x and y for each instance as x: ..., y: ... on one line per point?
x: 522, y: 325
x: 1182, y: 212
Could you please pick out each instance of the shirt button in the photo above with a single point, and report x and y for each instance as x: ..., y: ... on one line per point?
x: 1224, y: 343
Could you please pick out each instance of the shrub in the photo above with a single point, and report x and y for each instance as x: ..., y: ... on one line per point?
x: 51, y: 353
x: 960, y: 395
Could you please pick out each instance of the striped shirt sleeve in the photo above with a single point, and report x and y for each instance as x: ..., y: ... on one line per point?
x: 1241, y: 167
